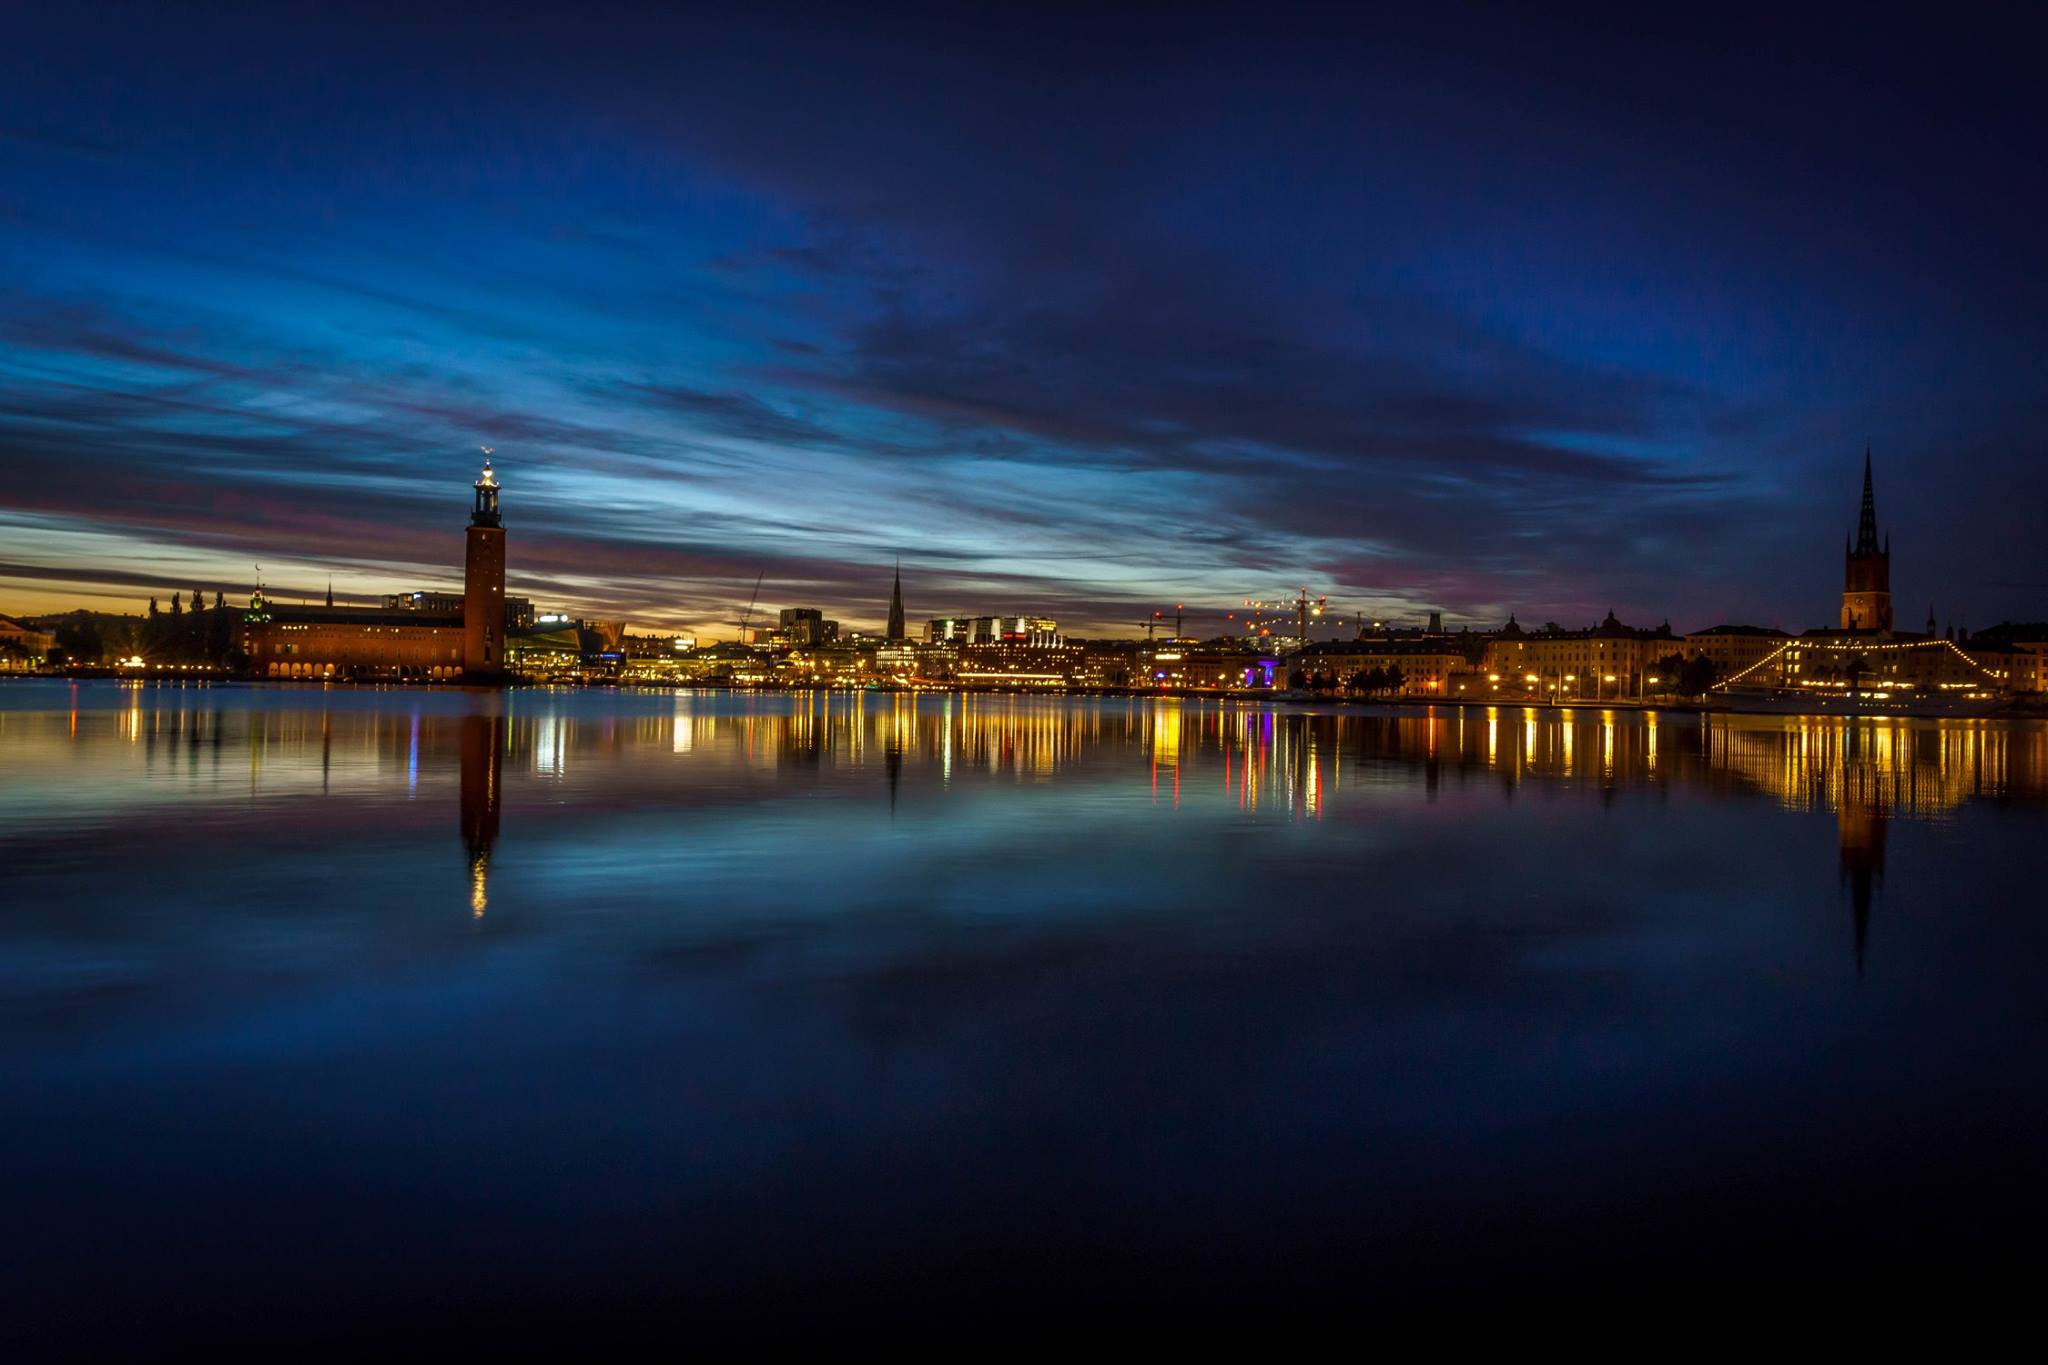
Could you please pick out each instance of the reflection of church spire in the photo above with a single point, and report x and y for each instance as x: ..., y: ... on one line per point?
x: 1861, y: 826
x: 483, y: 744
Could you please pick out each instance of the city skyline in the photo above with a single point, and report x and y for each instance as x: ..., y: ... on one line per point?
x: 742, y: 313
x: 677, y: 673
x: 1242, y: 620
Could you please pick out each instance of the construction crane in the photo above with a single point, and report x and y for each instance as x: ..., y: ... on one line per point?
x: 1303, y: 608
x: 1158, y: 618
x: 747, y: 616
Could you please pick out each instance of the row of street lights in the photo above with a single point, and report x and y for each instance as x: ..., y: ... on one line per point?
x: 1600, y: 684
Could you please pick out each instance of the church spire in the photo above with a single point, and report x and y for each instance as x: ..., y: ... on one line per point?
x: 896, y: 605
x: 1867, y: 576
x: 1866, y: 526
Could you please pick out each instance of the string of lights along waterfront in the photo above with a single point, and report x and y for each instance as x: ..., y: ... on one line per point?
x: 483, y: 635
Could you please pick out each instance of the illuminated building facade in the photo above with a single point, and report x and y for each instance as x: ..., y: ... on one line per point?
x: 350, y: 642
x: 1428, y: 667
x: 22, y: 647
x: 1731, y: 649
x: 1019, y: 664
x: 1608, y: 660
x: 1206, y: 668
x: 801, y: 626
x: 897, y: 661
x: 405, y: 643
x: 985, y: 630
x: 828, y: 665
x: 1902, y: 668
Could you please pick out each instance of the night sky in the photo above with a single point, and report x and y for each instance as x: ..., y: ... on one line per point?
x: 1078, y: 312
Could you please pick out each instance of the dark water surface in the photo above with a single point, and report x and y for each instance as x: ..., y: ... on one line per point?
x: 480, y: 1017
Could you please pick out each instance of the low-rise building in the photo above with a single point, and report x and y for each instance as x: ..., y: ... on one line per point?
x: 1609, y: 660
x: 1427, y: 666
x: 824, y: 666
x: 350, y: 642
x: 2025, y: 650
x: 1218, y: 666
x: 23, y: 647
x: 1838, y: 661
x: 1732, y: 649
x: 1020, y: 665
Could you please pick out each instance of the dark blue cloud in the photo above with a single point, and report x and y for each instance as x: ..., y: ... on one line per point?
x: 1076, y: 311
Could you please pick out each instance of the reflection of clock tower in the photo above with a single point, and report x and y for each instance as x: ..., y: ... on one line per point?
x: 1867, y: 580
x: 483, y: 750
x: 483, y: 585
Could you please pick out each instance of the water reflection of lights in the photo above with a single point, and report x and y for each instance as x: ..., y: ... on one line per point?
x: 1265, y: 758
x: 1269, y: 763
x: 481, y: 761
x: 551, y: 743
x: 1914, y: 768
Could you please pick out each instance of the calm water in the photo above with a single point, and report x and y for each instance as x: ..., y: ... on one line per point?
x: 483, y: 1017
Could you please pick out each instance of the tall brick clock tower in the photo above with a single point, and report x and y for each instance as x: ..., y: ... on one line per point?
x: 1867, y: 581
x: 483, y: 585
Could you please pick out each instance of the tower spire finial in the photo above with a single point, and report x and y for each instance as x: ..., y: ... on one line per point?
x: 485, y: 510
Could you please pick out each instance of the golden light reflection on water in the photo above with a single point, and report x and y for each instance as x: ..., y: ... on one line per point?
x: 1261, y: 758
x: 109, y: 759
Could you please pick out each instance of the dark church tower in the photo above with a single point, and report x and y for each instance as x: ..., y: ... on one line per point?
x: 483, y: 586
x: 1867, y: 582
x: 896, y: 607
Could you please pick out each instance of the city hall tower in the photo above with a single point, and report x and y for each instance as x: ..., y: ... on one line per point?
x: 483, y: 585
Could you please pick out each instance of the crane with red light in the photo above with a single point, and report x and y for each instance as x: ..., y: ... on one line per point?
x: 1263, y: 614
x: 1158, y: 619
